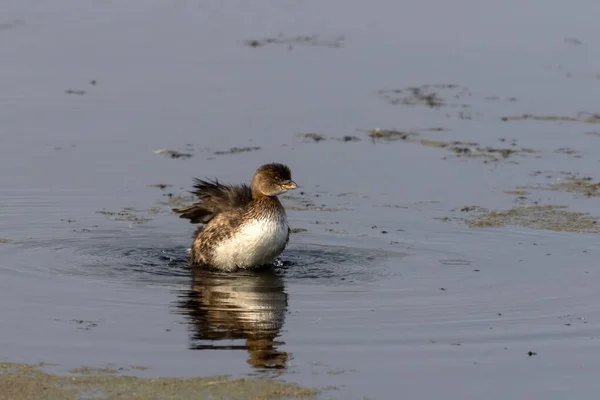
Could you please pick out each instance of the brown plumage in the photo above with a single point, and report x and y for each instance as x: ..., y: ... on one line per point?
x: 215, y: 198
x: 244, y: 226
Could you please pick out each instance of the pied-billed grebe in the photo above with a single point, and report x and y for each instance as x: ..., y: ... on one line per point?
x: 245, y: 227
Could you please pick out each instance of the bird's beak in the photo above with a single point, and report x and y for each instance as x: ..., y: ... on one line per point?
x: 289, y: 185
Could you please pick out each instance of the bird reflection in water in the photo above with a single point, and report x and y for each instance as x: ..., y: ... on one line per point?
x: 247, y: 305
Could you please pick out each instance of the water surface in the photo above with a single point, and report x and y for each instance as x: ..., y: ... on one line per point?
x: 386, y: 293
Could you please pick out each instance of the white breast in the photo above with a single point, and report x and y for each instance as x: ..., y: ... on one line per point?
x: 257, y: 243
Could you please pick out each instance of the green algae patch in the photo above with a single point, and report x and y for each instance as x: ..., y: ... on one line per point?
x: 581, y: 185
x: 27, y: 382
x: 94, y: 371
x: 546, y: 217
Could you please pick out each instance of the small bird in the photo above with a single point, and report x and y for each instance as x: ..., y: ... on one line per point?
x: 244, y: 227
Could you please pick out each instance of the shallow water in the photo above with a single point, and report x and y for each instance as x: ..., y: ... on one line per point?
x: 385, y: 293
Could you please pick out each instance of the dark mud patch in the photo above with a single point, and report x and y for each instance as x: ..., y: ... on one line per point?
x: 176, y: 200
x: 545, y: 217
x: 569, y: 152
x: 319, y: 137
x: 127, y: 215
x: 291, y: 41
x: 498, y: 98
x: 457, y: 148
x: 150, y: 211
x: 312, y: 208
x: 582, y: 117
x: 392, y: 135
x: 17, y: 23
x: 488, y: 154
x: 434, y: 129
x: 349, y: 138
x: 315, y: 137
x: 471, y: 209
x: 443, y: 145
x: 161, y: 186
x: 551, y: 174
x: 517, y: 192
x: 426, y: 95
x: 81, y: 324
x: 410, y: 136
x: 235, y: 150
x: 175, y: 154
x: 298, y: 230
x: 76, y: 92
x: 28, y: 382
x: 573, y: 41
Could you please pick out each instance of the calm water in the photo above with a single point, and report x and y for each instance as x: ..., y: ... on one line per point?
x: 380, y: 296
